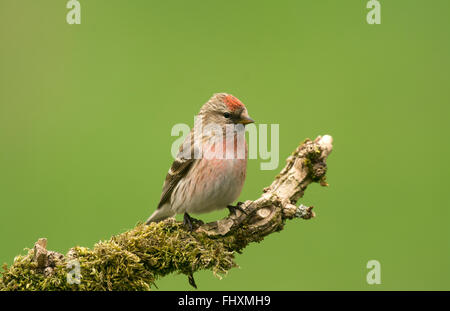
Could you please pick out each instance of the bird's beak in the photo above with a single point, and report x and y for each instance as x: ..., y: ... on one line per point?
x: 245, y: 118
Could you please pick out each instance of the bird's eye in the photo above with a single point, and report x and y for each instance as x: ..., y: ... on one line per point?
x: 227, y: 115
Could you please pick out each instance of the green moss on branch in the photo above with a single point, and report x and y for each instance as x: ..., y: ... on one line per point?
x: 133, y: 260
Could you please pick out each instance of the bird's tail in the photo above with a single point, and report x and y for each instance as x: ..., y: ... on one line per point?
x: 161, y: 213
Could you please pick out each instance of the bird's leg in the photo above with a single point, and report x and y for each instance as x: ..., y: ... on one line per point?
x: 187, y: 221
x: 233, y: 209
x: 191, y: 222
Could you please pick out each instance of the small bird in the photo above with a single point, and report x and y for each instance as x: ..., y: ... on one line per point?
x: 208, y: 174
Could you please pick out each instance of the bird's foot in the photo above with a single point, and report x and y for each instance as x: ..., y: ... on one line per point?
x: 191, y: 223
x: 233, y: 209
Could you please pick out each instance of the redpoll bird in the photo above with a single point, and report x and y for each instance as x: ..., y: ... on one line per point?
x: 209, y: 171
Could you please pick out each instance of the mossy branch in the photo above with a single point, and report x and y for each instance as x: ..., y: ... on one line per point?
x: 135, y: 259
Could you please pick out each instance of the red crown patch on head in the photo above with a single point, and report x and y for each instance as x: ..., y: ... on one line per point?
x: 232, y: 102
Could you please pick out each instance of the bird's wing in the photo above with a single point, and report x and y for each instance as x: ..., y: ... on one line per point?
x: 179, y: 169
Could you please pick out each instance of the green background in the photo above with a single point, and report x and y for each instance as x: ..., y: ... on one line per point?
x: 86, y: 113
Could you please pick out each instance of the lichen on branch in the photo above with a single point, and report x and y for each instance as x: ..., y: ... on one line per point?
x: 135, y: 259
